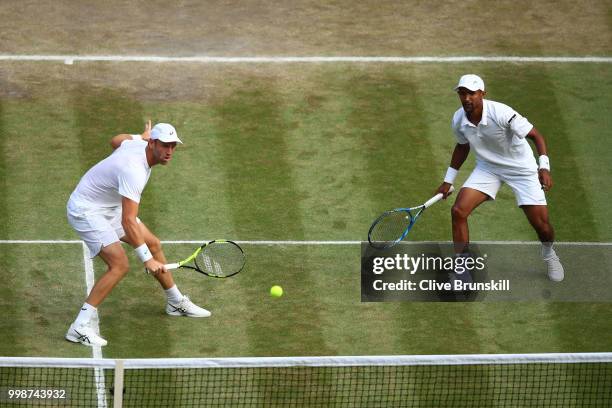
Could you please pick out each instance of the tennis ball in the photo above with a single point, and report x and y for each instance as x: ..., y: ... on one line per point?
x: 276, y: 291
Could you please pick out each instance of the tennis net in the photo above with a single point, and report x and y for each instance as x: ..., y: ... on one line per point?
x: 502, y: 380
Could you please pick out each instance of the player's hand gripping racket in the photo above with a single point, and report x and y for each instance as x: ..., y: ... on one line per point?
x: 220, y: 259
x: 393, y: 225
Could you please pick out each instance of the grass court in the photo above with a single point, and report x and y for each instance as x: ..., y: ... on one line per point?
x: 293, y: 152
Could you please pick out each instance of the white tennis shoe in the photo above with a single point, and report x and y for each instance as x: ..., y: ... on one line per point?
x: 84, y: 334
x: 186, y: 308
x: 555, y: 269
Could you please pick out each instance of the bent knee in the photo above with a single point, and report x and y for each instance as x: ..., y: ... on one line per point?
x: 120, y: 269
x: 540, y: 220
x: 459, y: 213
x: 542, y: 226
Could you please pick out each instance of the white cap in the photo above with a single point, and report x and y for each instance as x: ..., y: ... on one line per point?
x: 165, y: 132
x: 471, y: 82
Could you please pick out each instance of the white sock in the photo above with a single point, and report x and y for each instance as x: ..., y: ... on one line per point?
x: 547, y: 251
x: 174, y: 295
x: 85, y: 315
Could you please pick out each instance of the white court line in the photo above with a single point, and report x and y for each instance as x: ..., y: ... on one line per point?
x: 40, y: 241
x: 70, y: 59
x: 96, y: 350
x: 272, y: 242
x: 295, y: 242
x: 404, y: 242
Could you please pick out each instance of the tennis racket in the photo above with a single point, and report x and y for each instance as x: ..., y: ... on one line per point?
x: 393, y: 225
x: 219, y: 259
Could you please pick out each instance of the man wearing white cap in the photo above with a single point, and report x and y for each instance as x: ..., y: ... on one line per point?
x: 103, y: 209
x: 497, y: 134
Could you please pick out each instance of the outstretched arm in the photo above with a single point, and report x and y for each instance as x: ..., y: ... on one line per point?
x: 544, y: 169
x: 135, y: 237
x: 117, y: 140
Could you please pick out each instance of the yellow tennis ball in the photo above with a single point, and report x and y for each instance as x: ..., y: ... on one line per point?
x: 276, y: 291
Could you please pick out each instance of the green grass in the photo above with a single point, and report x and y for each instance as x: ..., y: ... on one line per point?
x: 309, y: 27
x: 39, y: 287
x: 299, y: 152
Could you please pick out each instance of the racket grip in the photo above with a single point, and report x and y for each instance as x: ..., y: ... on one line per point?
x: 171, y: 266
x: 437, y: 198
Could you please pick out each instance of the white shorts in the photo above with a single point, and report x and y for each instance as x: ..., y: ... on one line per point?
x: 97, y: 227
x: 526, y: 187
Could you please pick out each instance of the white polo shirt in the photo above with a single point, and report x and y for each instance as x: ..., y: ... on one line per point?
x: 122, y: 174
x: 498, y: 140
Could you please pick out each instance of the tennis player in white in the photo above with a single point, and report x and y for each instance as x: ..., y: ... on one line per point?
x: 498, y: 135
x: 103, y: 209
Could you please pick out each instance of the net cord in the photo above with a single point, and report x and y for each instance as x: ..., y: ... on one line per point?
x: 400, y: 360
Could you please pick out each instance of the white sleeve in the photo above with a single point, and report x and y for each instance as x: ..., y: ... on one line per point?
x: 131, y: 183
x: 460, y: 137
x: 519, y: 125
x: 455, y: 125
x: 132, y: 144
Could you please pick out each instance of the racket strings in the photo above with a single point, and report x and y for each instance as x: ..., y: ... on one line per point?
x: 220, y: 259
x: 390, y: 227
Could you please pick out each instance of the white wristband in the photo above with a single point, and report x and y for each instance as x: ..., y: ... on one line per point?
x: 544, y: 162
x: 136, y: 137
x: 143, y: 253
x: 451, y: 174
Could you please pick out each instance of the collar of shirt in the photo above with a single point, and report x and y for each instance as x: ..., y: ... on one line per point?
x: 483, y: 121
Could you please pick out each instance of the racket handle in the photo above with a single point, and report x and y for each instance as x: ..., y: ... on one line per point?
x: 171, y: 266
x: 437, y: 198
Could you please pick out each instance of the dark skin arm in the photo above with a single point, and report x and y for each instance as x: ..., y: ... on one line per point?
x: 460, y: 154
x: 540, y: 145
